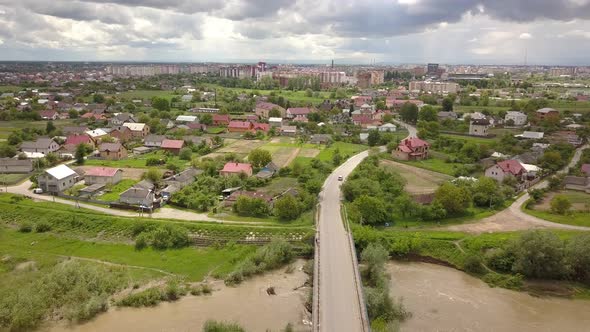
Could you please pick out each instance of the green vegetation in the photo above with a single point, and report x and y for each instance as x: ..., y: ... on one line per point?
x: 345, y: 149
x: 436, y: 165
x: 15, y: 210
x: 152, y: 296
x: 215, y: 326
x: 32, y: 291
x: 573, y: 218
x: 509, y: 257
x: 12, y: 179
x: 115, y: 191
x: 266, y: 258
x: 164, y: 159
x: 381, y: 308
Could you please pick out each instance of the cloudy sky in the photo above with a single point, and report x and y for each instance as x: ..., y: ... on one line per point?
x: 392, y: 31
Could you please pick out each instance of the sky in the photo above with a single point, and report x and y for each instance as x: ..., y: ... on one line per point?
x: 550, y: 32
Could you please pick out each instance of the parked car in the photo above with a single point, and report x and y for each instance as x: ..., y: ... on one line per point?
x: 37, y: 191
x: 340, y: 178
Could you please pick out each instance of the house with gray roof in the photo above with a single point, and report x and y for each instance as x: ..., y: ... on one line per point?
x: 41, y: 145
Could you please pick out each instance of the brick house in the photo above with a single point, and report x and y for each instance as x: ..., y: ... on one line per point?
x: 263, y: 108
x: 545, y: 113
x: 172, y: 145
x: 112, y: 151
x: 138, y: 130
x: 412, y: 149
x: 239, y: 126
x: 233, y: 168
x: 221, y: 119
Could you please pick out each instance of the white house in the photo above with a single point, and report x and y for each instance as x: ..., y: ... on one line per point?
x: 41, y: 145
x: 479, y: 127
x: 275, y: 122
x: 154, y: 141
x: 531, y: 135
x: 518, y: 118
x: 186, y: 118
x: 57, y: 179
x: 103, y: 175
x: 387, y: 127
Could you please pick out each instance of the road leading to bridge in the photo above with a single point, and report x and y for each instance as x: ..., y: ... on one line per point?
x: 341, y: 303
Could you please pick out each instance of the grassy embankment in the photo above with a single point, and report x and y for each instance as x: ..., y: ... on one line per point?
x: 460, y: 251
x: 577, y: 216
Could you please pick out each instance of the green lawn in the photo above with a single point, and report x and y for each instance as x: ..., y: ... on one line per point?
x: 215, y: 130
x: 139, y: 161
x: 11, y: 179
x: 434, y: 164
x: 472, y: 139
x: 192, y: 263
x: 117, y: 190
x: 574, y: 218
x: 346, y: 149
x: 146, y: 94
x: 278, y: 185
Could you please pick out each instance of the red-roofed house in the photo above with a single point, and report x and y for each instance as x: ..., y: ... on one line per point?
x: 103, y: 175
x: 221, y: 119
x: 264, y: 127
x: 79, y: 139
x: 239, y: 126
x: 298, y: 112
x: 505, y: 168
x: 412, y: 149
x: 363, y: 120
x: 94, y: 116
x: 360, y: 100
x: 172, y: 145
x: 233, y: 168
x: 585, y: 169
x: 48, y: 115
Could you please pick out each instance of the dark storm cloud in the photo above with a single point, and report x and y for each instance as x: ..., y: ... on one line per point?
x: 530, y: 10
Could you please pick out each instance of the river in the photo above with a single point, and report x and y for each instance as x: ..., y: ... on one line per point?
x: 444, y: 299
x: 247, y: 304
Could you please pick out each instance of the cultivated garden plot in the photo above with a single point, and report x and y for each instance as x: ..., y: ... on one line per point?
x: 418, y: 181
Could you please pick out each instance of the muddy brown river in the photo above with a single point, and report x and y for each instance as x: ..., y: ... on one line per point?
x: 444, y: 299
x: 248, y: 305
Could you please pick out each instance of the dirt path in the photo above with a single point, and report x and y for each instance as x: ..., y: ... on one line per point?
x: 292, y: 157
x: 514, y: 219
x: 94, y: 260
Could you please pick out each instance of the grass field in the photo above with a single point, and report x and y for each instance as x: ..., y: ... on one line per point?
x: 139, y: 161
x: 117, y: 190
x: 472, y: 139
x: 7, y: 127
x: 192, y: 263
x: 418, y: 181
x: 574, y: 218
x: 146, y: 94
x: 11, y: 179
x: 579, y: 215
x: 434, y: 164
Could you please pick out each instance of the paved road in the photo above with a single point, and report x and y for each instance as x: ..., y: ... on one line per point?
x: 513, y: 218
x: 163, y: 213
x: 412, y: 131
x: 340, y: 309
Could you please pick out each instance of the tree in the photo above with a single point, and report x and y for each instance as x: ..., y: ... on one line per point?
x: 251, y: 207
x: 487, y: 192
x: 551, y: 160
x: 308, y: 92
x: 73, y: 114
x: 161, y: 104
x: 185, y: 154
x: 371, y: 210
x: 374, y: 138
x: 374, y: 257
x: 287, y: 208
x: 259, y: 158
x: 50, y: 127
x: 577, y: 253
x: 538, y: 254
x: 7, y: 151
x: 428, y: 113
x: 206, y: 119
x: 409, y: 113
x: 274, y: 113
x: 447, y: 105
x: 153, y: 175
x: 560, y: 204
x: 453, y: 198
x: 98, y: 98
x: 81, y: 151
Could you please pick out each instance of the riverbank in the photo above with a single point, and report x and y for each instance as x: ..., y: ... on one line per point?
x: 445, y: 299
x: 249, y: 305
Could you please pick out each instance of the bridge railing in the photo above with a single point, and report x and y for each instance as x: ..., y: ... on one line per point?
x: 315, y: 310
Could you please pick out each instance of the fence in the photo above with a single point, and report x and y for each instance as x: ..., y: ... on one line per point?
x: 84, y: 199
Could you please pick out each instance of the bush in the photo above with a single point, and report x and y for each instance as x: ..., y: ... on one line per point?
x: 504, y: 280
x: 287, y: 208
x: 25, y: 227
x: 251, y: 207
x: 268, y: 257
x: 560, y: 204
x: 215, y: 326
x: 147, y: 298
x: 499, y: 259
x: 539, y: 254
x: 42, y: 227
x: 473, y: 264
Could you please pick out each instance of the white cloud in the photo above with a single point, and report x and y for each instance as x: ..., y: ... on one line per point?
x: 525, y: 35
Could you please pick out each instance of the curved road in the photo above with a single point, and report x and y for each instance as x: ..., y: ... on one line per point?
x: 513, y: 218
x: 163, y: 213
